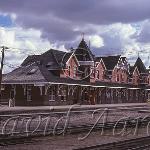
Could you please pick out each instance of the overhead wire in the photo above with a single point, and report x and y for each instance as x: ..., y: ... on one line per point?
x: 27, y: 51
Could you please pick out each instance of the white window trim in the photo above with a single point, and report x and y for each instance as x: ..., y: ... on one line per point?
x: 97, y: 74
x: 29, y: 97
x: 63, y: 96
x: 75, y: 71
x: 52, y: 98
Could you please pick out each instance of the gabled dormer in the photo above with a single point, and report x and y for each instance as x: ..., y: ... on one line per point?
x: 120, y: 71
x: 122, y: 64
x: 100, y: 69
x: 71, y: 66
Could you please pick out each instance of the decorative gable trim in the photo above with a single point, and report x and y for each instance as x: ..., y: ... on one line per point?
x: 73, y: 55
x: 120, y: 59
x: 136, y: 69
x: 101, y: 61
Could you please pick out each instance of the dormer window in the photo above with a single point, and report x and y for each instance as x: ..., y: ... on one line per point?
x: 69, y: 71
x: 92, y: 73
x: 74, y: 71
x: 32, y: 71
x: 97, y: 74
x: 49, y: 64
x: 117, y: 77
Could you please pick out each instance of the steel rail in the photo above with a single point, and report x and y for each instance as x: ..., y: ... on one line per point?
x: 132, y: 144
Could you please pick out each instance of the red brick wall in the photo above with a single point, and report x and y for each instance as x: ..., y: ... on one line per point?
x: 119, y: 75
x: 135, y: 77
x: 72, y: 63
x: 101, y: 71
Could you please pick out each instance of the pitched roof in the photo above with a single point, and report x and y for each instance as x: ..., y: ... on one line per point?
x: 83, y: 44
x: 24, y: 74
x: 37, y: 68
x: 109, y: 61
x: 131, y: 69
x: 54, y: 59
x: 82, y: 50
x: 140, y: 65
x: 30, y: 59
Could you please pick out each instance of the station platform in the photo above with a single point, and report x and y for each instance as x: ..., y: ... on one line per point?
x: 41, y: 109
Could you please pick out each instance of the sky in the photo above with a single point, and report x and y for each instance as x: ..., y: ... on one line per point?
x: 112, y: 27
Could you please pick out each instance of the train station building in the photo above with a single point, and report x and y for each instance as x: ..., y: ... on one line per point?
x: 77, y: 76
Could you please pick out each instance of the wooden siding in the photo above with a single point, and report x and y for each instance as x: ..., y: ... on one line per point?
x: 73, y: 94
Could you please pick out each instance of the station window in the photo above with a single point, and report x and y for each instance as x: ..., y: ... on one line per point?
x: 2, y: 87
x: 51, y: 97
x: 62, y: 94
x: 52, y: 94
x: 29, y: 93
x: 12, y: 92
x: 62, y: 97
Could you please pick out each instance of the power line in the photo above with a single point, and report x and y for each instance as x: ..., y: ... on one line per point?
x: 34, y: 52
x: 26, y: 52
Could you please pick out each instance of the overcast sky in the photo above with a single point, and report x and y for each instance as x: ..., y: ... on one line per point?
x: 111, y: 26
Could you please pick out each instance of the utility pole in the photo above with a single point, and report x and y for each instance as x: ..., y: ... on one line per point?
x: 1, y: 68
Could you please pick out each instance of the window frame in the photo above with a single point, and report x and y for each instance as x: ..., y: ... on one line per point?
x: 29, y: 93
x: 51, y: 95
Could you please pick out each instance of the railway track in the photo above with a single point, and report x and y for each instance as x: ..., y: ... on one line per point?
x: 21, y: 137
x: 15, y: 141
x: 72, y: 129
x: 142, y: 143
